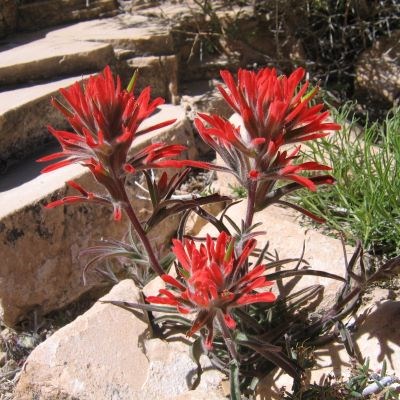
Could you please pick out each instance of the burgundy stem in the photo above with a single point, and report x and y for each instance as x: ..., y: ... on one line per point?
x: 140, y: 232
x: 226, y: 334
x: 251, y: 198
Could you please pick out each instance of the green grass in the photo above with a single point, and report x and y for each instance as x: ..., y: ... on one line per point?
x: 365, y: 202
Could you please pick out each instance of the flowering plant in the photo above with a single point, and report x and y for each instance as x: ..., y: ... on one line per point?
x: 220, y: 291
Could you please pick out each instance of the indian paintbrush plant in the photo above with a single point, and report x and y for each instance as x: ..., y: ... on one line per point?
x: 219, y: 289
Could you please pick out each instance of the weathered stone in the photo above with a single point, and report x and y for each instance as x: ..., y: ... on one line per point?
x: 39, y: 247
x: 132, y: 32
x: 25, y: 114
x: 378, y: 71
x: 238, y: 38
x: 376, y: 337
x: 158, y: 72
x: 45, y: 58
x: 33, y: 16
x: 8, y: 17
x: 287, y: 237
x: 209, y: 394
x: 204, y: 97
x: 195, y: 223
x: 106, y: 354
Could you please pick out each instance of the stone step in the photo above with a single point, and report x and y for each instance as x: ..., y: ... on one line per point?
x: 131, y: 366
x: 38, y: 15
x: 25, y: 113
x: 36, y: 56
x: 158, y: 72
x: 39, y: 269
x: 139, y: 34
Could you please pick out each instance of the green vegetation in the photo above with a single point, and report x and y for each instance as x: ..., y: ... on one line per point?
x: 365, y: 202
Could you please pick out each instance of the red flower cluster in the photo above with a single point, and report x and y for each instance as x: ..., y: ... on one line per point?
x: 213, y: 279
x: 273, y: 115
x: 106, y: 120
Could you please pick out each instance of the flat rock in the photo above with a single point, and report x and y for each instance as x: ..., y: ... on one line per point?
x: 33, y: 16
x: 287, y: 237
x: 376, y: 337
x: 378, y: 71
x: 90, y: 359
x: 32, y: 58
x: 133, y: 32
x: 25, y: 113
x: 158, y: 72
x: 203, y: 96
x: 46, y: 274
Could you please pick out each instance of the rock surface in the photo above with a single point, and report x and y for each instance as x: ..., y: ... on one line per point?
x: 34, y: 16
x: 203, y: 96
x: 25, y: 113
x: 39, y: 248
x: 286, y: 236
x: 159, y: 72
x: 376, y: 337
x: 378, y: 71
x: 45, y: 58
x: 106, y: 354
x: 136, y: 33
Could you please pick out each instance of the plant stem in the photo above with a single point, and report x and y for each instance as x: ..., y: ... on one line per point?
x: 234, y: 363
x: 251, y: 198
x: 226, y: 334
x: 140, y: 232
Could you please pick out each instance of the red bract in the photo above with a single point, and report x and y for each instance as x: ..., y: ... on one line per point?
x: 273, y: 114
x: 106, y: 119
x: 213, y: 279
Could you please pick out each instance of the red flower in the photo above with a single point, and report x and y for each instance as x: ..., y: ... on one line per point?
x: 213, y: 278
x: 106, y: 119
x: 273, y: 115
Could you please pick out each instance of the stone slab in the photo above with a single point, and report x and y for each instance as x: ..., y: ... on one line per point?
x: 39, y: 247
x: 158, y: 72
x: 129, y: 365
x: 133, y: 32
x: 25, y: 113
x: 376, y: 337
x: 378, y: 71
x: 32, y: 16
x: 33, y: 57
x: 286, y: 236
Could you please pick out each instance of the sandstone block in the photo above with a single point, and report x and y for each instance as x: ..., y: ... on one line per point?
x: 204, y: 97
x: 286, y: 236
x: 376, y: 337
x: 131, y: 32
x: 39, y: 247
x: 45, y: 58
x: 106, y: 354
x: 33, y: 16
x: 159, y: 72
x: 378, y: 71
x: 25, y: 114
